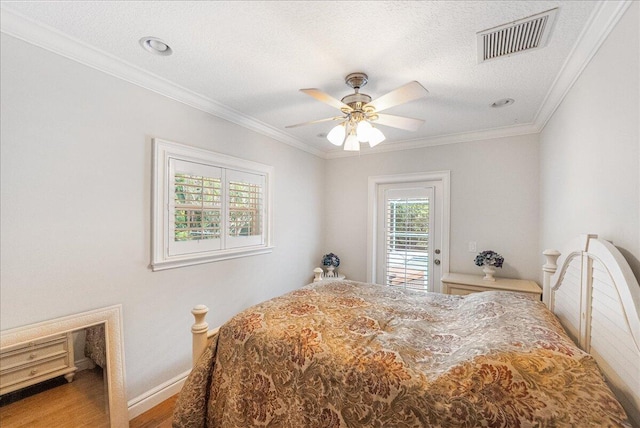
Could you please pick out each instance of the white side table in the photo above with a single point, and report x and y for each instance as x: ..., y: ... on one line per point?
x: 318, y: 275
x: 462, y: 284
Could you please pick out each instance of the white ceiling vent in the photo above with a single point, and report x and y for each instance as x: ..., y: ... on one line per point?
x: 515, y: 37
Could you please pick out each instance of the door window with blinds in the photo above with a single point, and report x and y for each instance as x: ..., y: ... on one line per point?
x: 207, y: 206
x: 405, y: 236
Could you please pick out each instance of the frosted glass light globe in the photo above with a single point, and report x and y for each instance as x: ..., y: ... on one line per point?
x: 336, y: 135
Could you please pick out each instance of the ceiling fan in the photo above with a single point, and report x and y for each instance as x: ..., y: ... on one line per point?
x: 360, y: 114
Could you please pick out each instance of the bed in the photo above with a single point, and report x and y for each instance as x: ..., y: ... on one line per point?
x: 95, y: 347
x: 350, y: 354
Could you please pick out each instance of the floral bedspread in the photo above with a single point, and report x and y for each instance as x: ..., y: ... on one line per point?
x: 349, y: 354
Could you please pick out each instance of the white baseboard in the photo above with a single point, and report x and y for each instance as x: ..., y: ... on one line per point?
x: 157, y: 395
x: 84, y: 364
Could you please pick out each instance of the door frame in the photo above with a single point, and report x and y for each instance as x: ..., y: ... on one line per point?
x: 372, y: 217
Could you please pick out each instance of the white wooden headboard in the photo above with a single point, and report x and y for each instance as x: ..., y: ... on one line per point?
x: 593, y: 292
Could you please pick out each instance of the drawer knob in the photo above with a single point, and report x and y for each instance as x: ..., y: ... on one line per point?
x: 32, y: 356
x: 32, y: 372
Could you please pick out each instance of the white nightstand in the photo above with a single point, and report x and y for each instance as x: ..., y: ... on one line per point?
x: 318, y: 274
x: 462, y: 284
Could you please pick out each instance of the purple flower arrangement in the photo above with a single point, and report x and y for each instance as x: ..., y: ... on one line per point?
x: 489, y: 258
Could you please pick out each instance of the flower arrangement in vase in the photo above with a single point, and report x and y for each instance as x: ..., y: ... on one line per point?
x: 489, y: 260
x: 331, y: 262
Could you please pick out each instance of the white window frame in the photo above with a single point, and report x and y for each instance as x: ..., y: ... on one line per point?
x: 163, y: 154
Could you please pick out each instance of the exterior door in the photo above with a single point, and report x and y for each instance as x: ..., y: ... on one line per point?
x: 408, y: 235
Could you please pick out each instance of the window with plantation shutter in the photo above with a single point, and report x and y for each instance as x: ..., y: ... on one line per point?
x: 245, y: 202
x: 195, y: 208
x: 207, y: 206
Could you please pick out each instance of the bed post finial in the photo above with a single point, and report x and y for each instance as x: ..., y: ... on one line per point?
x: 549, y: 268
x: 317, y: 274
x: 199, y: 331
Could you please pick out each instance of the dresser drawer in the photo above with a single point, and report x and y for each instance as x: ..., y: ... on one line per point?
x: 33, y: 371
x: 33, y: 343
x: 460, y: 291
x: 37, y: 352
x: 26, y: 364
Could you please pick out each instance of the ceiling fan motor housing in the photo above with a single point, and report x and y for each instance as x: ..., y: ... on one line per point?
x: 356, y: 80
x: 356, y: 101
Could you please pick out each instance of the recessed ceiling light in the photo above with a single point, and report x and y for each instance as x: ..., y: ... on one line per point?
x: 503, y: 102
x: 155, y: 46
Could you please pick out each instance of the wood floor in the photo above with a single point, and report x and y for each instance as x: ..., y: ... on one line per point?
x: 80, y: 403
x: 157, y: 417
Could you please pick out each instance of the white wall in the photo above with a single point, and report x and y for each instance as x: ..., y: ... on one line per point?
x: 75, y: 212
x: 494, y: 193
x: 590, y: 150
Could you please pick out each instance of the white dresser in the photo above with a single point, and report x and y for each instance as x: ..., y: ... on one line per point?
x: 462, y: 284
x: 30, y: 363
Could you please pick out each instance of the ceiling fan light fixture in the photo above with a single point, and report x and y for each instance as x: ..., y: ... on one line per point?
x: 351, y: 144
x: 337, y: 134
x: 375, y: 137
x: 358, y: 111
x: 363, y: 131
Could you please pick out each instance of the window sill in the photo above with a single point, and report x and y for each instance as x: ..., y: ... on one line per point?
x: 176, y: 262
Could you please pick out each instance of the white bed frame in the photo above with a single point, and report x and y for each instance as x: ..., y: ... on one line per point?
x: 593, y: 292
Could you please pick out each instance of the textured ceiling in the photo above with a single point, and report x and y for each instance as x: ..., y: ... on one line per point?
x: 252, y: 57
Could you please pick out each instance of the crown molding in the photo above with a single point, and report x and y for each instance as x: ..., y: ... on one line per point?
x: 462, y: 137
x: 603, y: 19
x: 57, y: 42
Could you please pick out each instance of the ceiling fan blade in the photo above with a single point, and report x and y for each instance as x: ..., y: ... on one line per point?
x: 409, y: 92
x: 406, y: 123
x: 326, y: 98
x: 315, y: 121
